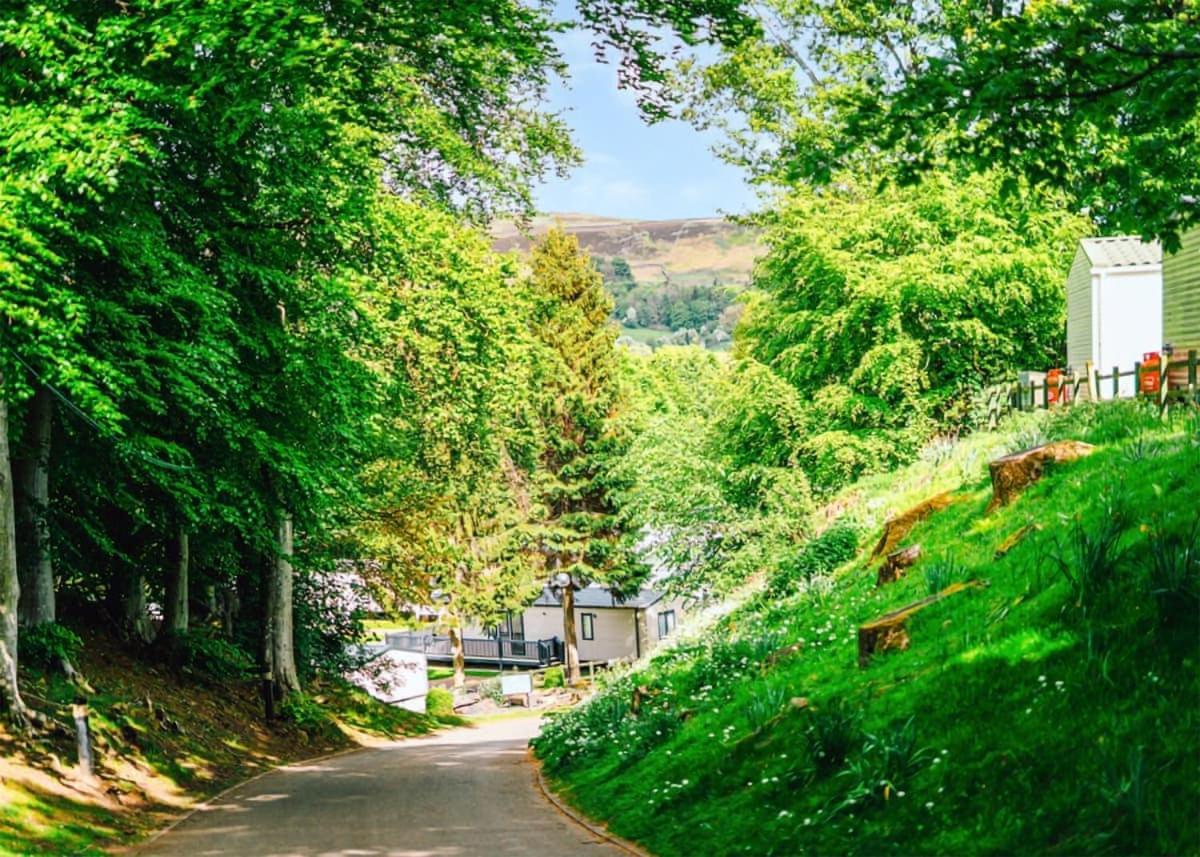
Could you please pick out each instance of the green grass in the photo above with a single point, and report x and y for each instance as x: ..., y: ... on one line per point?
x: 438, y: 673
x: 645, y: 335
x: 1031, y: 716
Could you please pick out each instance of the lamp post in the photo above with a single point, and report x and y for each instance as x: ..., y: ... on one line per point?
x: 564, y: 586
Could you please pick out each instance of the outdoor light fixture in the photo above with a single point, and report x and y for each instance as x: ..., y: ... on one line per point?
x: 562, y: 579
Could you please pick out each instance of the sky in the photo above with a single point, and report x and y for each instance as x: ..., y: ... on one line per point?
x: 631, y: 169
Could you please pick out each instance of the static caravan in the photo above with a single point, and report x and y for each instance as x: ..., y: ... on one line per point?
x: 1181, y: 301
x: 1114, y: 305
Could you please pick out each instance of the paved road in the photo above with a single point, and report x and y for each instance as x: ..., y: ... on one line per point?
x: 462, y: 793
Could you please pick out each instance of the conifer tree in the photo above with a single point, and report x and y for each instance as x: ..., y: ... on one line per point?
x: 582, y: 396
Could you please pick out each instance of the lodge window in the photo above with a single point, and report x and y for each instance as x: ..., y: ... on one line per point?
x: 588, y: 621
x: 666, y: 623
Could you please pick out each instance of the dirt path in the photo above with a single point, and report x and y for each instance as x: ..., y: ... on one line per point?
x: 469, y: 791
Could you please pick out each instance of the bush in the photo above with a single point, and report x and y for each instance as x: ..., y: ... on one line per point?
x: 819, y: 556
x: 491, y: 689
x: 439, y: 703
x: 553, y: 677
x: 1175, y: 572
x: 49, y: 644
x: 206, y: 654
x: 307, y: 715
x: 832, y: 735
x: 887, y: 762
x: 1092, y: 552
x: 940, y: 574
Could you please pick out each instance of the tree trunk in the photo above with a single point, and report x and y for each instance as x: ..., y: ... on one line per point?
x: 570, y: 647
x: 129, y: 587
x: 460, y: 659
x: 229, y: 606
x: 31, y: 475
x: 175, y: 610
x: 10, y: 587
x: 280, y: 653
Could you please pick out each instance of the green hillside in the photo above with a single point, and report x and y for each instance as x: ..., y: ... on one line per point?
x: 1050, y: 710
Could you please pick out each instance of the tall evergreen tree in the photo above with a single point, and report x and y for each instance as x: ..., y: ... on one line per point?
x: 582, y: 398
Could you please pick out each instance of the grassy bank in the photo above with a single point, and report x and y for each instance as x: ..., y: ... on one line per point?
x: 163, y: 742
x: 1051, y: 711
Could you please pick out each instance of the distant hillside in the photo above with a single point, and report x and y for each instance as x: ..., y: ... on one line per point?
x: 688, y: 252
x: 671, y: 280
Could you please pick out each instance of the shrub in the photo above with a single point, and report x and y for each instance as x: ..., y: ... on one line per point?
x: 764, y: 706
x: 206, y: 654
x: 491, y: 689
x: 887, y: 762
x: 439, y: 703
x: 940, y: 574
x: 553, y: 677
x: 307, y: 715
x: 819, y: 556
x: 832, y: 735
x: 1092, y: 552
x: 1175, y: 572
x: 49, y: 644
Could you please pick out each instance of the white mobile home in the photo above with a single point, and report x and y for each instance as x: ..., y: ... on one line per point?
x: 606, y: 627
x: 1114, y: 305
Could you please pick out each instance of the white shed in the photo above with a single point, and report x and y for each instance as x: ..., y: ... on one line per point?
x: 1114, y: 305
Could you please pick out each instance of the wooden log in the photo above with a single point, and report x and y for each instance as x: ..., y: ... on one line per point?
x: 900, y: 526
x: 896, y: 562
x: 1014, y: 539
x: 889, y: 631
x: 1012, y: 474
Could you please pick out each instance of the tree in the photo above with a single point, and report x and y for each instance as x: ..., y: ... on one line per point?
x: 1096, y: 97
x: 582, y: 397
x: 885, y: 309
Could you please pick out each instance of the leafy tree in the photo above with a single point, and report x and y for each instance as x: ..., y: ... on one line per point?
x: 582, y: 396
x: 1097, y: 97
x: 883, y: 310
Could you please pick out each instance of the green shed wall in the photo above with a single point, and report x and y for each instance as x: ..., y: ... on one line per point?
x: 1181, y: 295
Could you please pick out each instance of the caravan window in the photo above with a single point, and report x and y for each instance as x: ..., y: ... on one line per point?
x: 666, y: 623
x: 589, y: 625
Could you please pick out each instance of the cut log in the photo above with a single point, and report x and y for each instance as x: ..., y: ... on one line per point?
x: 1013, y: 473
x: 897, y: 561
x: 888, y: 632
x: 898, y: 527
x: 1014, y: 539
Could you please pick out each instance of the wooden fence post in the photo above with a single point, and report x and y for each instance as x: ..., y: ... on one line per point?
x: 1137, y: 379
x: 1045, y: 395
x: 1116, y: 382
x: 1192, y: 373
x: 1093, y: 381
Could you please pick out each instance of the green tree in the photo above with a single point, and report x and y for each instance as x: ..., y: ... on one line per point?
x: 884, y: 310
x: 581, y: 399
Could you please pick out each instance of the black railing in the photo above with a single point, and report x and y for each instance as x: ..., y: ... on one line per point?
x: 480, y: 650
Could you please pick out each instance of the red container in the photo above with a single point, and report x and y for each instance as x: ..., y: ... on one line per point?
x: 1151, y: 373
x: 1059, y: 390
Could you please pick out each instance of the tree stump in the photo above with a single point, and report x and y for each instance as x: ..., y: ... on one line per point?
x: 1013, y: 473
x: 898, y: 527
x: 889, y: 633
x: 896, y: 562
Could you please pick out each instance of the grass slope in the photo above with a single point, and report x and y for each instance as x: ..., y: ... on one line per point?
x: 163, y: 744
x: 1054, y: 711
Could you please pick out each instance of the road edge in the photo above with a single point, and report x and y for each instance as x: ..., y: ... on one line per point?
x: 594, y: 827
x: 134, y: 850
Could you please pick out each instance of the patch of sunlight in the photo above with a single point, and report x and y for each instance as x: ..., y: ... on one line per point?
x: 1026, y: 646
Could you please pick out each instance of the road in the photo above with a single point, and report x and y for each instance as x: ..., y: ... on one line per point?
x: 467, y: 792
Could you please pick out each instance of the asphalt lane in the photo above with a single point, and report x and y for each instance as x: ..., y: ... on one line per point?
x: 461, y: 793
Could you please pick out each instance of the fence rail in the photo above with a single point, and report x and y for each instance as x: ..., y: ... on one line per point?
x: 1175, y: 377
x: 480, y: 650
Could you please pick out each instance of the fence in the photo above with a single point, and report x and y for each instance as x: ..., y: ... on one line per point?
x: 480, y: 650
x: 1174, y: 380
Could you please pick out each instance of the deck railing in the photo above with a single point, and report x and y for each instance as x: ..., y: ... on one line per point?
x: 480, y: 650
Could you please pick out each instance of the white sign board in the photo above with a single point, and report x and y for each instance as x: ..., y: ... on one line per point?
x: 516, y: 683
x: 396, y: 677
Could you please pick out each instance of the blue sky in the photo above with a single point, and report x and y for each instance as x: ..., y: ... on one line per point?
x: 630, y: 169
